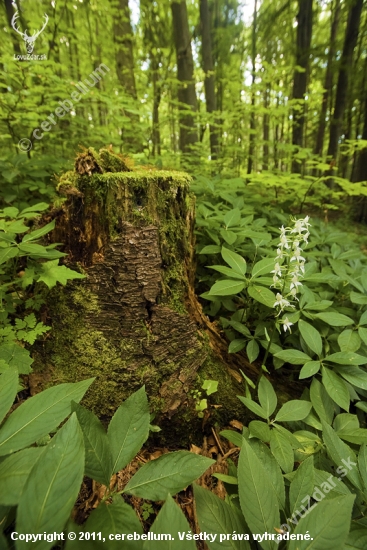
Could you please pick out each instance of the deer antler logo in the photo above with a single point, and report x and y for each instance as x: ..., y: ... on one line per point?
x: 29, y: 40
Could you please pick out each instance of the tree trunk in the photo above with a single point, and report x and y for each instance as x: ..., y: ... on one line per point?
x: 135, y: 319
x: 304, y: 34
x: 319, y: 145
x: 185, y: 75
x: 345, y: 71
x: 251, y: 148
x: 209, y: 79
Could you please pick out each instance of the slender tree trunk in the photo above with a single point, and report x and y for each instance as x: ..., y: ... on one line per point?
x: 304, y: 34
x: 156, y: 134
x: 319, y: 145
x: 251, y: 149
x: 185, y: 75
x: 124, y: 52
x: 209, y: 79
x: 266, y: 127
x: 345, y: 71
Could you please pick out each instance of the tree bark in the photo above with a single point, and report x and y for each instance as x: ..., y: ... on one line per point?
x: 304, y: 34
x: 185, y: 75
x: 251, y: 149
x: 209, y: 79
x: 345, y: 71
x: 319, y: 145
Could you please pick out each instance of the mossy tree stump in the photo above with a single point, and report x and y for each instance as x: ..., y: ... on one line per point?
x: 134, y: 319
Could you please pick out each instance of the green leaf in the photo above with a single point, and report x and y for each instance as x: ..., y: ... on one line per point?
x: 32, y: 248
x: 226, y: 288
x: 309, y: 369
x: 232, y: 436
x: 217, y: 517
x: 267, y: 396
x: 260, y: 430
x: 293, y: 356
x: 8, y: 390
x: 262, y: 295
x: 272, y: 468
x: 335, y: 319
x: 8, y: 253
x: 311, y: 336
x: 302, y: 484
x: 357, y: 436
x: 362, y: 333
x: 228, y: 236
x: 345, y: 421
x: 170, y: 473
x: 363, y: 319
x: 129, y: 429
x: 252, y: 350
x: 362, y: 464
x: 263, y: 267
x: 16, y: 356
x: 210, y: 249
x: 356, y: 539
x: 236, y: 345
x: 254, y: 407
x: 39, y: 207
x: 349, y: 340
x: 336, y: 388
x: 327, y: 523
x: 354, y: 375
x: 241, y: 328
x: 227, y: 271
x: 39, y: 415
x: 235, y: 261
x: 170, y: 522
x: 357, y: 298
x: 231, y: 480
x: 232, y: 217
x: 14, y: 471
x: 282, y: 451
x: 210, y: 386
x: 53, y: 273
x: 293, y: 410
x: 38, y: 233
x: 321, y: 401
x: 98, y: 457
x: 258, y: 499
x: 346, y: 358
x: 342, y: 456
x: 52, y: 486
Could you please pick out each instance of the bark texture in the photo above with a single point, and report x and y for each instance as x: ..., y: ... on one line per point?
x: 135, y: 319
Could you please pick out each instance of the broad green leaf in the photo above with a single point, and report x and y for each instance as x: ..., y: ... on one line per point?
x: 267, y: 396
x: 293, y: 410
x: 116, y: 518
x: 354, y: 375
x: 240, y: 327
x: 357, y: 298
x: 8, y: 253
x: 52, y: 486
x: 362, y: 464
x: 357, y: 436
x: 336, y: 388
x: 231, y: 480
x: 232, y: 217
x: 363, y: 319
x: 129, y: 429
x: 169, y: 473
x: 227, y: 271
x: 254, y: 407
x: 210, y: 386
x: 302, y: 484
x: 318, y: 306
x: 335, y: 319
x: 330, y: 485
x: 228, y: 236
x: 321, y: 401
x: 252, y: 350
x: 16, y: 356
x: 217, y: 517
x: 356, y: 539
x: 8, y: 390
x: 342, y: 456
x: 236, y: 345
x: 260, y: 430
x: 262, y: 295
x: 362, y: 333
x: 293, y: 356
x: 258, y: 499
x: 14, y: 471
x: 293, y: 441
x: 272, y: 468
x: 282, y: 451
x: 349, y: 340
x: 234, y: 260
x: 32, y: 248
x: 38, y: 233
x: 98, y: 457
x: 309, y: 369
x: 210, y: 249
x: 311, y: 336
x: 53, y: 273
x: 346, y: 421
x: 39, y: 207
x: 263, y: 267
x: 172, y: 523
x: 327, y: 523
x: 232, y: 436
x: 39, y: 415
x: 346, y: 358
x: 226, y: 287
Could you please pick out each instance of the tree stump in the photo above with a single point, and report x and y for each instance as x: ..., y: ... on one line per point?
x: 134, y: 319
